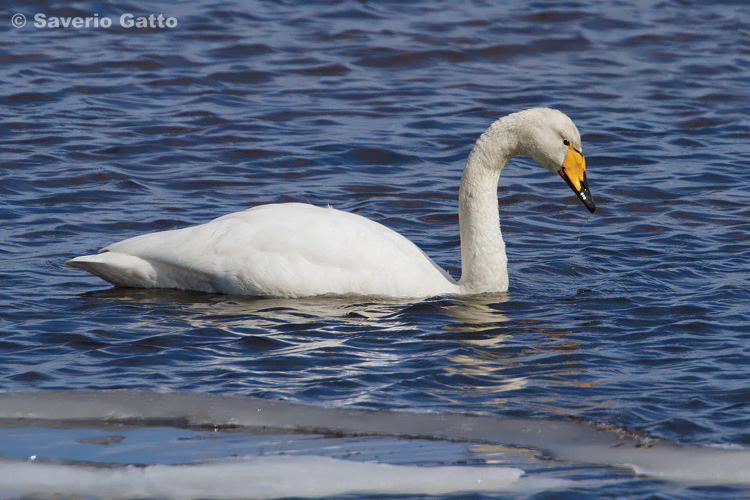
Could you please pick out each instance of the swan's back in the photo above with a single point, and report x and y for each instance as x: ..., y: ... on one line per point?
x: 283, y: 250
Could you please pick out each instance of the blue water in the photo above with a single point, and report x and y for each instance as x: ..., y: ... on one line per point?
x: 636, y: 318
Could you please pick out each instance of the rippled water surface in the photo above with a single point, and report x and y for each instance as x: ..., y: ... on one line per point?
x: 636, y: 318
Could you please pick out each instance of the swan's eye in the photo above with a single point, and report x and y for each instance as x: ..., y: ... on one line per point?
x: 566, y: 142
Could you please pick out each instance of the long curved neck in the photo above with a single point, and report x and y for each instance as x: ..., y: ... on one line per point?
x: 483, y: 260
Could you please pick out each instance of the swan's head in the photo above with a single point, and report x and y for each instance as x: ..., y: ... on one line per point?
x: 553, y: 141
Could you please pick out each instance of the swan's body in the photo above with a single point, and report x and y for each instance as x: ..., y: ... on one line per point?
x: 290, y: 249
x: 298, y: 250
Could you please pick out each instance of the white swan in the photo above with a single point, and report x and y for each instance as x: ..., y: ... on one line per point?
x: 298, y: 250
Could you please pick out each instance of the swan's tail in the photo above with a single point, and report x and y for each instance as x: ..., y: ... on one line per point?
x: 118, y: 268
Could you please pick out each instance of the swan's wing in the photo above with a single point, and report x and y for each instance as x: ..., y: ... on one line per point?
x: 287, y: 250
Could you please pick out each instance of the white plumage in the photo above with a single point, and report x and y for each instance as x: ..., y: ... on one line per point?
x: 299, y: 250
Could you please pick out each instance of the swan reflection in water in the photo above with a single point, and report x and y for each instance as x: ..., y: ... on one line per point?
x: 482, y: 357
x: 475, y: 314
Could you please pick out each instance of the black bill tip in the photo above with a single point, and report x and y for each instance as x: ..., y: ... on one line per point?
x: 583, y: 194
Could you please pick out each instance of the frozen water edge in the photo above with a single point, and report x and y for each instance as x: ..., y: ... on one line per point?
x: 257, y: 478
x: 313, y: 476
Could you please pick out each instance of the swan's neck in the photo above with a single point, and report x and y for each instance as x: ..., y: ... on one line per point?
x: 483, y: 260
